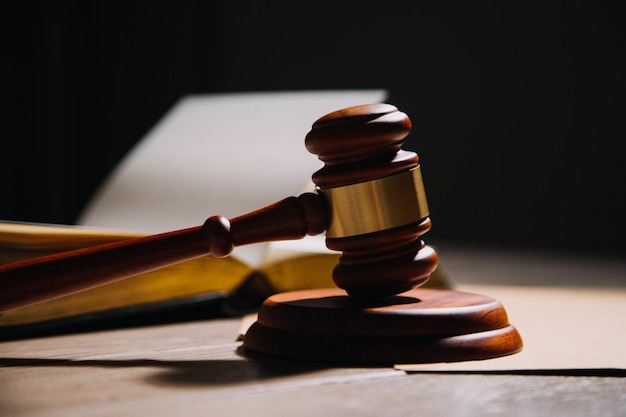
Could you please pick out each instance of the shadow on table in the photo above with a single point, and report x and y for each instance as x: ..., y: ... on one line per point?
x: 186, y: 372
x: 253, y: 367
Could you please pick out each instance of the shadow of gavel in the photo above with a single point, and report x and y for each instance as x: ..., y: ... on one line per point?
x: 370, y: 201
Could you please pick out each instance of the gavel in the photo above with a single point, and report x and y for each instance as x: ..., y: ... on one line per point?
x: 371, y: 204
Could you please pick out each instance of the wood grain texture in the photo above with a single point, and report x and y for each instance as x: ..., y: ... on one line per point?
x: 196, y: 369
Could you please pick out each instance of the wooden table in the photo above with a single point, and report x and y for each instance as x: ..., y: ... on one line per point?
x: 198, y: 368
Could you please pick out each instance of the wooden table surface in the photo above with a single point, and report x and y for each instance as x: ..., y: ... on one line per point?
x: 199, y: 368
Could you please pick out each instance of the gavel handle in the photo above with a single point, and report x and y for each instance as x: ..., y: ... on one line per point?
x: 40, y: 279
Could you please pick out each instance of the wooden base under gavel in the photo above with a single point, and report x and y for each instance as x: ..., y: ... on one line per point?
x: 372, y: 198
x: 372, y: 206
x: 418, y: 326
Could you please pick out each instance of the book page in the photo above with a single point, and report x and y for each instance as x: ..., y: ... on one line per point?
x: 563, y: 329
x: 221, y: 154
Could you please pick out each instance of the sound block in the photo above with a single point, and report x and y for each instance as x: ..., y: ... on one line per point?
x: 418, y: 326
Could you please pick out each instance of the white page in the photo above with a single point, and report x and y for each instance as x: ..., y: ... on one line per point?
x: 225, y: 154
x: 562, y: 329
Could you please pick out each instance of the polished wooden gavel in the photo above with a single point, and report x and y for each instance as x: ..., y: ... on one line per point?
x: 370, y: 201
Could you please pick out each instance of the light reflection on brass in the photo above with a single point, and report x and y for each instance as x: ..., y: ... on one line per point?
x: 376, y: 205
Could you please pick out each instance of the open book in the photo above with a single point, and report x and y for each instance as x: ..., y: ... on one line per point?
x: 226, y: 154
x: 236, y: 285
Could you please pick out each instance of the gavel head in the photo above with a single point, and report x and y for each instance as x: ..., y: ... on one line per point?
x: 376, y: 200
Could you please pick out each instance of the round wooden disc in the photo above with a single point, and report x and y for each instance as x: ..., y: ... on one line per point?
x: 419, y: 326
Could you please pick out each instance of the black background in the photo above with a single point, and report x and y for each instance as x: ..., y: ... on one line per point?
x: 518, y: 108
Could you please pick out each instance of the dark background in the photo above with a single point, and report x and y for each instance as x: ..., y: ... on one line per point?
x: 518, y: 109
